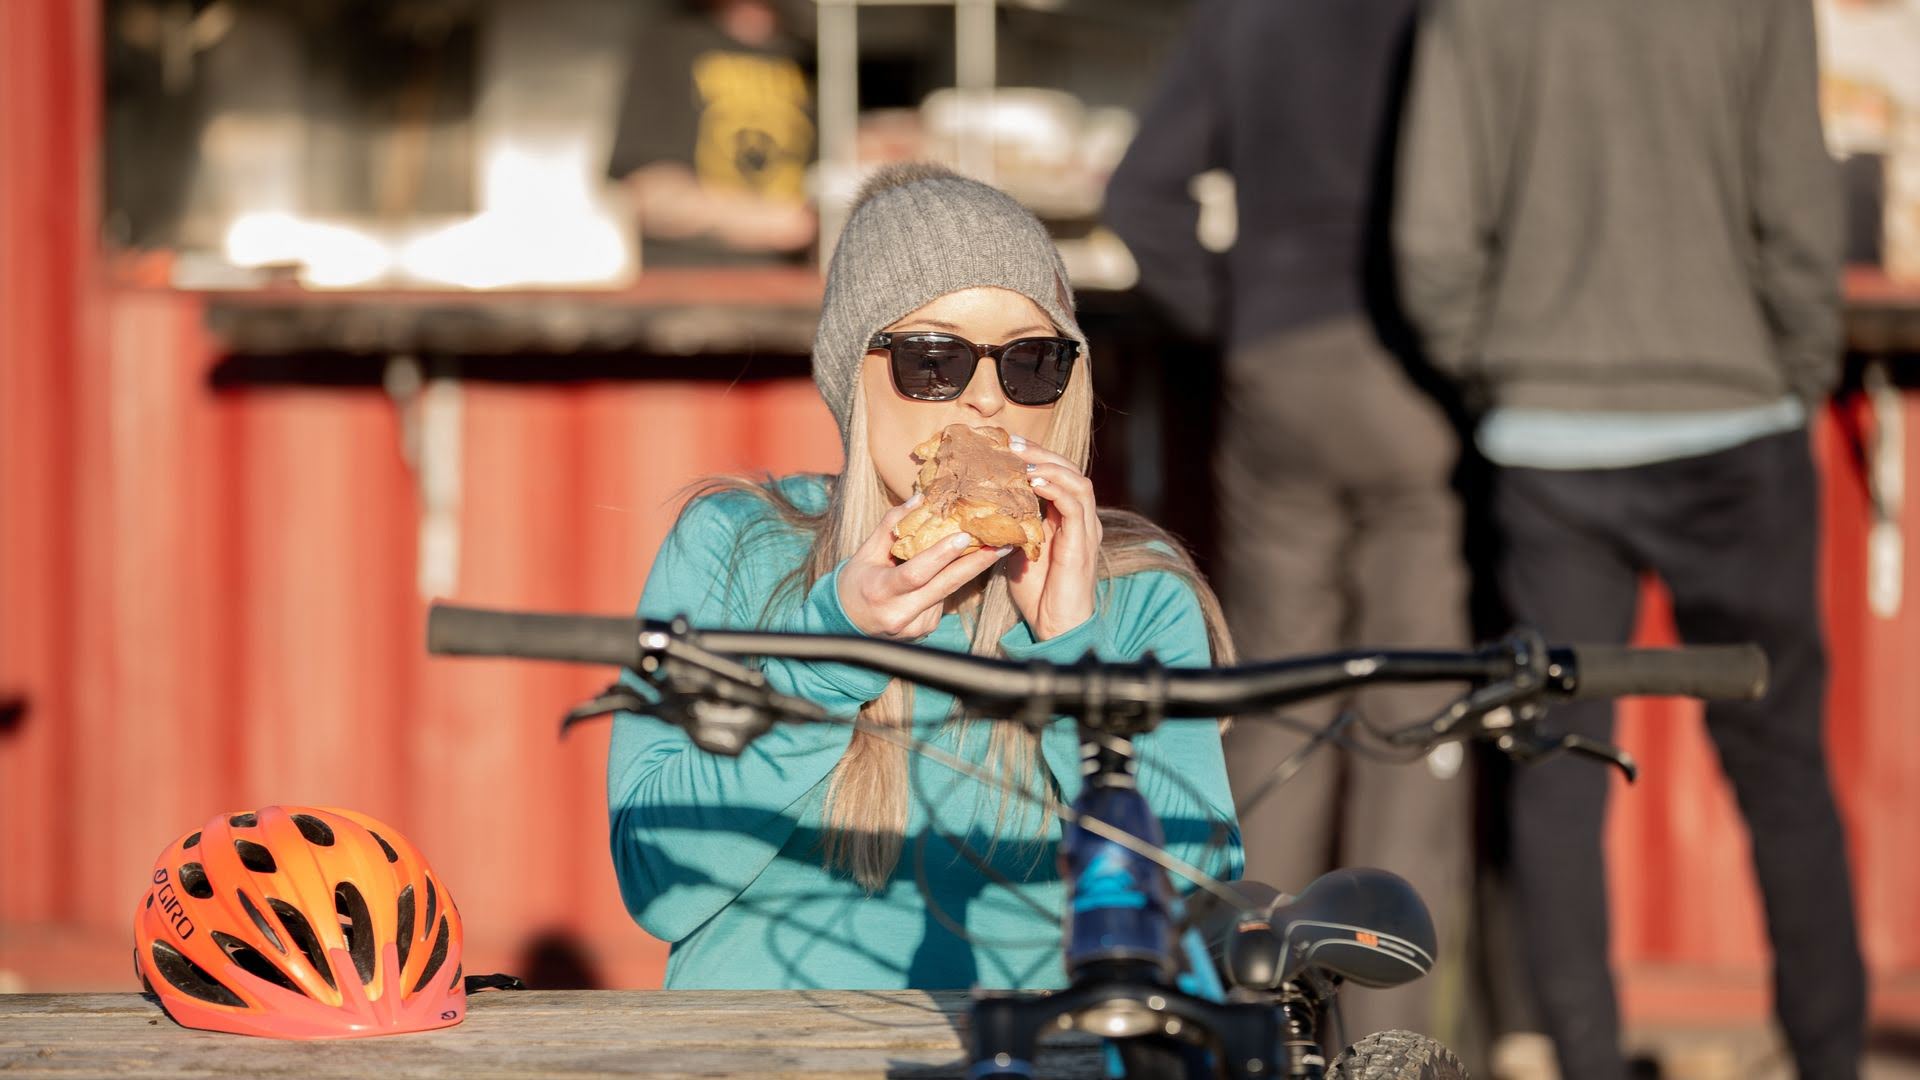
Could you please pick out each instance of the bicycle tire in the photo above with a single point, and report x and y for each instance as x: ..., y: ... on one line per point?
x: 1397, y: 1055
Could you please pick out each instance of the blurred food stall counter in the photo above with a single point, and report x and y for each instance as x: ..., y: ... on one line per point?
x: 664, y: 313
x: 1883, y: 313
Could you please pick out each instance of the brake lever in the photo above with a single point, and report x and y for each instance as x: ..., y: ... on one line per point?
x: 1602, y: 751
x: 616, y: 698
x: 1529, y: 748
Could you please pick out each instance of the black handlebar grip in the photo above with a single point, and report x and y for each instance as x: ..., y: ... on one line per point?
x: 579, y: 639
x: 1709, y: 672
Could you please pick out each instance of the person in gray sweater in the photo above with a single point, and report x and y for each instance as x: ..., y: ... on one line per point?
x: 1619, y: 230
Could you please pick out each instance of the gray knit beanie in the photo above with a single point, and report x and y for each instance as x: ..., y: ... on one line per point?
x: 918, y: 232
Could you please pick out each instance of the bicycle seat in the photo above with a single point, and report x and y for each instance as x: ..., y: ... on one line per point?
x: 1364, y: 926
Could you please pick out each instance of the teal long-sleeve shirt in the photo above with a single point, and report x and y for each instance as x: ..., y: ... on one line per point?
x: 724, y: 857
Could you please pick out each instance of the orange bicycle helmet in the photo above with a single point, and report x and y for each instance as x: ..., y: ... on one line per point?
x: 296, y: 922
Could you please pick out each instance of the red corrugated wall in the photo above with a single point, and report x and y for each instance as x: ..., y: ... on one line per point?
x: 47, y: 106
x: 240, y: 624
x: 209, y: 600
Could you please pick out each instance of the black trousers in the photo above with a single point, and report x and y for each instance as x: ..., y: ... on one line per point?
x: 1734, y: 536
x: 1340, y: 529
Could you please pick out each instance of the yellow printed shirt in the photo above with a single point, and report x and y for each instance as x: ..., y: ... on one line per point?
x: 740, y: 117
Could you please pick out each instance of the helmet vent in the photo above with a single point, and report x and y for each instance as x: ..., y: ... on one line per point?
x: 405, y: 934
x: 433, y: 899
x: 193, y: 879
x: 356, y: 922
x: 304, y: 939
x: 392, y: 855
x: 193, y: 840
x: 439, y: 957
x: 317, y: 832
x: 244, y: 821
x: 190, y: 978
x: 249, y: 960
x: 254, y: 857
x: 261, y: 922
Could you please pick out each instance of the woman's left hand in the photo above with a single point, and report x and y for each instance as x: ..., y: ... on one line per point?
x: 1055, y: 592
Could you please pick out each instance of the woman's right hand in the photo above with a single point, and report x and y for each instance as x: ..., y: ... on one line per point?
x: 905, y: 600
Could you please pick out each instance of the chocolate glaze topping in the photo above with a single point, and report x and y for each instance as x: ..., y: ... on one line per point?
x: 974, y: 464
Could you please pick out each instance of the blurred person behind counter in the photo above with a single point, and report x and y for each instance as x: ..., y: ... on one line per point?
x: 1619, y: 228
x: 1339, y: 524
x: 715, y: 134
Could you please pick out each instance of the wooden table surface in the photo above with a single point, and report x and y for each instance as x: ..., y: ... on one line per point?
x: 535, y: 1033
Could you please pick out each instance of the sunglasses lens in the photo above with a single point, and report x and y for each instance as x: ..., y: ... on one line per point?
x: 1035, y: 372
x: 931, y: 367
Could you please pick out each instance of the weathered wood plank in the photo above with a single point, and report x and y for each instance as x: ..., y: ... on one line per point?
x: 533, y: 1033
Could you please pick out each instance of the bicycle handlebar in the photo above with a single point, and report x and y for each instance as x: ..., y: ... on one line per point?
x: 580, y: 639
x: 1729, y: 672
x: 1708, y: 672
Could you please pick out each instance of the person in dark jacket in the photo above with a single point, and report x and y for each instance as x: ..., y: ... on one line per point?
x: 1339, y: 524
x: 1620, y: 230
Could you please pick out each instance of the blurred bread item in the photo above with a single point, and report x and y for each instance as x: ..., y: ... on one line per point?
x: 970, y: 482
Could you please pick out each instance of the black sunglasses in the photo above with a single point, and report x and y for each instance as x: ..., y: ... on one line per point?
x: 931, y: 366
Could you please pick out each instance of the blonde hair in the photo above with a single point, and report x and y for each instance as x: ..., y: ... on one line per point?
x: 866, y: 804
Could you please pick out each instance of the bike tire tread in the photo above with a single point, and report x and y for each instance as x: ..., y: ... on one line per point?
x: 1397, y: 1055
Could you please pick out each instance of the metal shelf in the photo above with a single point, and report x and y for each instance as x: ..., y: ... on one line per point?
x: 837, y: 42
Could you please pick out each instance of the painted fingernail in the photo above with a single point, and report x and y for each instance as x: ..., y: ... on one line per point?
x: 1031, y: 467
x: 1017, y: 442
x: 1001, y: 553
x: 1039, y: 481
x: 960, y: 540
x: 913, y: 500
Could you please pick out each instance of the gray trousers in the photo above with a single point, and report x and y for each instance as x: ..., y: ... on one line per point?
x: 1339, y: 529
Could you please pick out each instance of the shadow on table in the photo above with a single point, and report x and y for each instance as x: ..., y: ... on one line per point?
x: 558, y: 960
